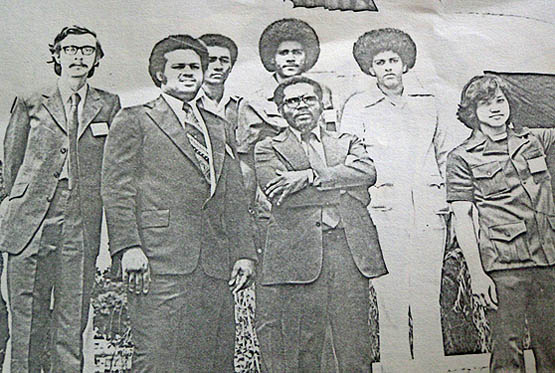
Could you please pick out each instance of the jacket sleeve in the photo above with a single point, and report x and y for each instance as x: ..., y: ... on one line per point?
x: 239, y: 225
x: 267, y: 162
x: 440, y: 146
x: 356, y: 171
x: 119, y: 190
x: 115, y: 109
x: 15, y: 142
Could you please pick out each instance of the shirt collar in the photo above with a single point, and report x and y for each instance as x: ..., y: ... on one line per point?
x: 316, y: 131
x: 375, y: 94
x: 66, y: 91
x: 478, y: 138
x: 211, y: 105
x: 177, y: 106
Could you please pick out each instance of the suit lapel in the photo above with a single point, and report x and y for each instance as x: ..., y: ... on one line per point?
x: 54, y: 106
x: 216, y: 132
x: 291, y: 150
x: 335, y: 148
x: 91, y: 108
x: 161, y: 113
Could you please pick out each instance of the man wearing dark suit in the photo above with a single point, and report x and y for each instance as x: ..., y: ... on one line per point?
x: 321, y: 246
x: 53, y: 156
x: 177, y: 215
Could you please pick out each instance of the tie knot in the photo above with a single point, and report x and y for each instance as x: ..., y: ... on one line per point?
x: 306, y: 137
x: 75, y: 99
x: 187, y: 108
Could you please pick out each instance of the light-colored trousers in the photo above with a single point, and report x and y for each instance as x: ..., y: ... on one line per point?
x: 412, y: 245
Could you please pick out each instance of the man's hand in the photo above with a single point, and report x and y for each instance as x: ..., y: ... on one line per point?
x: 286, y: 183
x: 242, y: 275
x: 136, y: 271
x: 483, y: 289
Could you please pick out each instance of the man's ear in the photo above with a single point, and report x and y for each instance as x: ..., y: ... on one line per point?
x: 56, y: 57
x: 405, y: 68
x: 371, y: 72
x: 161, y: 77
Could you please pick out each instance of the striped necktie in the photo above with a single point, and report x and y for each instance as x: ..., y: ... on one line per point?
x: 197, y: 141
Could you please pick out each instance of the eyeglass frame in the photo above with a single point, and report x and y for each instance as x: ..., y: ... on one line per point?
x: 77, y: 48
x: 300, y: 99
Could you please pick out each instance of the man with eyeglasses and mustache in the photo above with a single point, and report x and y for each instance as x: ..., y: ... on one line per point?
x: 321, y: 246
x: 51, y: 230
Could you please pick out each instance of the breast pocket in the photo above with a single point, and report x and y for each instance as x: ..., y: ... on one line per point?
x: 510, y: 242
x: 537, y: 166
x: 490, y: 178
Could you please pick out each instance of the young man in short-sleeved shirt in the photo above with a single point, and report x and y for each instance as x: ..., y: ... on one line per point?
x: 501, y: 171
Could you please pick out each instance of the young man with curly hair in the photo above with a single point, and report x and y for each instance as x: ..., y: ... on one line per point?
x: 399, y: 127
x: 501, y: 173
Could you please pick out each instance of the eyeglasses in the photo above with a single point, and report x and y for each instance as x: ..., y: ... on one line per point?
x: 86, y: 50
x: 294, y: 102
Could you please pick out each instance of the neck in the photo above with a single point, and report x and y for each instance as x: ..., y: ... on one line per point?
x: 493, y: 132
x: 180, y: 96
x: 215, y: 92
x: 74, y: 83
x: 280, y: 78
x: 393, y: 93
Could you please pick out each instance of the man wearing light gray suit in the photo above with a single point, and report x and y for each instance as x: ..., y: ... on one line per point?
x: 51, y: 230
x: 321, y: 245
x: 178, y: 218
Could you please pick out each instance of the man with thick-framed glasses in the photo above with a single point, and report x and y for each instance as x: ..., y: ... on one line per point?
x: 321, y: 245
x: 51, y: 230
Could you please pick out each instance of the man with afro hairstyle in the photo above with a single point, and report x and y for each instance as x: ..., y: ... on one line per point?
x: 399, y: 127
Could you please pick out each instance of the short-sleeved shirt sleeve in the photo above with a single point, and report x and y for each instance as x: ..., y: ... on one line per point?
x: 459, y: 179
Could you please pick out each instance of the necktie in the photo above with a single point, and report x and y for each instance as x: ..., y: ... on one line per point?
x: 72, y: 128
x: 330, y: 216
x: 197, y: 141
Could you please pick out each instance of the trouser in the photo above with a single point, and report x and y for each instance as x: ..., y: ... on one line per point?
x: 292, y: 318
x: 53, y: 266
x: 523, y: 294
x: 414, y: 258
x: 184, y: 324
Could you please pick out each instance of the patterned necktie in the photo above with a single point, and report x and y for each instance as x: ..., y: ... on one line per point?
x: 72, y: 129
x: 197, y: 141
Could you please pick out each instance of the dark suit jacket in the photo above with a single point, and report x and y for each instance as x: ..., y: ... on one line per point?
x: 156, y: 197
x: 34, y: 154
x: 293, y: 252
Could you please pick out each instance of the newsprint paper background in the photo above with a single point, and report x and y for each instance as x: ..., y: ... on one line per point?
x: 456, y: 39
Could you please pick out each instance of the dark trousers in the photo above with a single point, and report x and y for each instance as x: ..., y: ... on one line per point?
x: 53, y: 264
x: 523, y: 293
x: 184, y: 324
x: 291, y: 319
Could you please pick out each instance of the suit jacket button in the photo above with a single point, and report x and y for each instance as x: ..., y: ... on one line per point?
x: 318, y: 224
x: 49, y: 199
x: 56, y: 174
x: 63, y: 150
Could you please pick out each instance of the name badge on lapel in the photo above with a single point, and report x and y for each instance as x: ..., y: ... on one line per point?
x: 537, y: 164
x: 99, y: 129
